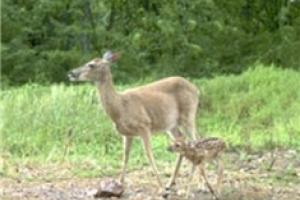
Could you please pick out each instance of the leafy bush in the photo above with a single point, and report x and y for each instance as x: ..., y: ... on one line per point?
x: 42, y: 40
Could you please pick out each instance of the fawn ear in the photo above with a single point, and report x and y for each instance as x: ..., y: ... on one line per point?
x: 110, y: 56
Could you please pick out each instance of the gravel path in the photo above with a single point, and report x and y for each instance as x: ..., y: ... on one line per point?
x: 255, y: 176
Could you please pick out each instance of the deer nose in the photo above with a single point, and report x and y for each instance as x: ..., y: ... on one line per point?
x: 72, y: 74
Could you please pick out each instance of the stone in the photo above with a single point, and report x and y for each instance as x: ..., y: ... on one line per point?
x: 109, y: 188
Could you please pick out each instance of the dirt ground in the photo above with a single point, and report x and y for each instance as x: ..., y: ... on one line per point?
x: 257, y: 176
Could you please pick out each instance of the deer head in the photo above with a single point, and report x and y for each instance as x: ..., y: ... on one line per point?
x: 95, y: 69
x: 179, y: 146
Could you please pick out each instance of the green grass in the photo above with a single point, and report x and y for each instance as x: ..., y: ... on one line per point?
x: 255, y: 110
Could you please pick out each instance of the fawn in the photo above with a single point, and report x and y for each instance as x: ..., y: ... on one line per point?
x: 198, y: 152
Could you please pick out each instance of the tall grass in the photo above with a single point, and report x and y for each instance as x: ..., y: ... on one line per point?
x: 257, y: 109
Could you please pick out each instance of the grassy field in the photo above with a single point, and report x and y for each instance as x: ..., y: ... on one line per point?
x: 259, y: 109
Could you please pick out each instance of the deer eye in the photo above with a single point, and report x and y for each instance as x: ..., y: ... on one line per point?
x: 91, y: 66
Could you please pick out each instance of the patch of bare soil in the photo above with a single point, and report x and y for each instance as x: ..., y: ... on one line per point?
x: 264, y: 176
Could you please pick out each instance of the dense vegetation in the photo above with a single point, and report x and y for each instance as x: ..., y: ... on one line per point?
x: 257, y: 109
x: 42, y: 40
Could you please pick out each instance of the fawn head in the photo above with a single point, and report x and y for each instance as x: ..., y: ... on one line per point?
x: 93, y: 70
x: 178, y: 146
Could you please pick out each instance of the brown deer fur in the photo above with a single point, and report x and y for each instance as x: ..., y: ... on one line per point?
x: 168, y: 105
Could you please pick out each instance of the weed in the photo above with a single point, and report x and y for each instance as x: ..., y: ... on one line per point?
x: 257, y: 109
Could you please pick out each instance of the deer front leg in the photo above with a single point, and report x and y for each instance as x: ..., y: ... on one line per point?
x: 175, y: 173
x: 148, y: 150
x: 174, y: 134
x: 127, y: 141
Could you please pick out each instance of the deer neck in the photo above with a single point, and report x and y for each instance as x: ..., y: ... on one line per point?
x: 111, y: 100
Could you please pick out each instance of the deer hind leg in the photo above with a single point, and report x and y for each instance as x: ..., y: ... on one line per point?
x: 188, y: 129
x: 187, y: 126
x: 220, y: 176
x: 187, y: 120
x: 148, y: 150
x: 127, y: 141
x: 202, y: 172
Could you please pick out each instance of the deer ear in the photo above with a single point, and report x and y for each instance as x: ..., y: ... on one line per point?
x: 110, y: 57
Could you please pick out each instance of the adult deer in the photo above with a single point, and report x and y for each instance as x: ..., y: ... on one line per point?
x: 168, y: 105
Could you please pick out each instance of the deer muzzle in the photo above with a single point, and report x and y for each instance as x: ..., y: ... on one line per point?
x: 73, y: 76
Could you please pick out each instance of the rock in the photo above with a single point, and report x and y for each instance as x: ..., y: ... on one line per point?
x: 109, y: 188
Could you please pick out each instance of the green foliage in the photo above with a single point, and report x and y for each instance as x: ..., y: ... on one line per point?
x: 257, y: 109
x: 42, y: 40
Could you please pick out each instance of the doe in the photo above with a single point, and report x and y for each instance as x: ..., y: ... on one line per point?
x: 168, y: 105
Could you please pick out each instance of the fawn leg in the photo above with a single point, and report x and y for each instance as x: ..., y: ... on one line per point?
x: 202, y: 171
x: 174, y: 134
x: 220, y: 176
x: 175, y: 173
x: 127, y: 141
x: 201, y: 181
x: 188, y: 190
x: 148, y: 150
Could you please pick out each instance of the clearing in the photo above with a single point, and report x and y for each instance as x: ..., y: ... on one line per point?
x: 257, y: 176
